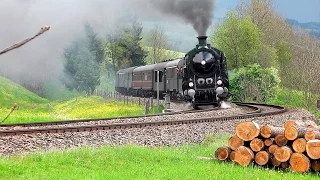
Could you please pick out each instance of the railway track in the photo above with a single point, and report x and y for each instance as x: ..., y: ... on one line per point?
x: 258, y: 110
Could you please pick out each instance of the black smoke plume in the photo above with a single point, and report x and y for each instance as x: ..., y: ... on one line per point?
x: 197, y: 12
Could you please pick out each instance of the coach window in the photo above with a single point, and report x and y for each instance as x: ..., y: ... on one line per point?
x: 156, y: 76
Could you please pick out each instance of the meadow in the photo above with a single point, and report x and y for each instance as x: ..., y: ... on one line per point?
x: 136, y: 162
x: 76, y: 108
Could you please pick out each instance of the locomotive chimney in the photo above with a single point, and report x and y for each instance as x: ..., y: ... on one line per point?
x: 202, y: 41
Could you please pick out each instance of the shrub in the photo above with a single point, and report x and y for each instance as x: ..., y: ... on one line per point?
x: 254, y: 83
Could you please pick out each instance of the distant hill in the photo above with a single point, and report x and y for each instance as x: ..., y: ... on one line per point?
x: 312, y: 27
x: 11, y: 93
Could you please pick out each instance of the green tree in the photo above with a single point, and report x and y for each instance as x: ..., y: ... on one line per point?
x: 83, y: 59
x: 240, y: 39
x: 94, y: 44
x: 253, y: 83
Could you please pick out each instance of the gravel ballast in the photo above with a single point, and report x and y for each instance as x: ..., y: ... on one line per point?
x: 147, y: 136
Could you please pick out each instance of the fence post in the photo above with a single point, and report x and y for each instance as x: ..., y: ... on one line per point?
x: 139, y: 101
x: 318, y: 104
x: 146, y: 107
x: 151, y: 102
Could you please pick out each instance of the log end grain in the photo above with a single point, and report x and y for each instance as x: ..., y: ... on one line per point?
x: 268, y: 142
x: 289, y: 123
x: 310, y: 135
x: 299, y: 145
x: 235, y: 142
x: 316, y: 165
x: 232, y: 156
x: 262, y: 158
x: 243, y: 156
x: 291, y: 133
x: 313, y: 149
x: 256, y: 145
x: 299, y: 163
x: 222, y: 153
x: 272, y: 149
x: 281, y: 140
x: 265, y: 131
x: 283, y: 153
x: 247, y: 131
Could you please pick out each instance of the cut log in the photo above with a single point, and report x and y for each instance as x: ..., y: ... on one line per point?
x: 292, y: 132
x: 272, y: 149
x: 243, y: 156
x: 247, y: 131
x: 232, y: 156
x: 256, y: 145
x: 316, y: 165
x: 283, y: 153
x: 310, y: 134
x: 281, y: 140
x: 268, y: 142
x: 285, y: 165
x: 289, y: 123
x: 270, y: 131
x: 235, y: 142
x: 299, y: 145
x: 222, y: 153
x: 299, y: 163
x: 313, y: 149
x: 262, y: 158
x: 274, y: 162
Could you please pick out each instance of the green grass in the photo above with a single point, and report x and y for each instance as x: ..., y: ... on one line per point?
x: 11, y: 93
x: 77, y: 108
x: 136, y: 162
x: 293, y: 98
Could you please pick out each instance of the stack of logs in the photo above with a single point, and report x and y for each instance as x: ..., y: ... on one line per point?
x: 292, y: 146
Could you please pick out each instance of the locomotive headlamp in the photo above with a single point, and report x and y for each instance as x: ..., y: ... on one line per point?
x: 209, y: 80
x: 219, y: 82
x: 191, y: 84
x: 203, y: 62
x: 201, y: 81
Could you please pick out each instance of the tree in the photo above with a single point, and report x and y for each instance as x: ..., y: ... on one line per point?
x: 131, y: 42
x: 157, y: 43
x: 240, y: 40
x: 124, y: 48
x: 254, y: 83
x: 83, y: 59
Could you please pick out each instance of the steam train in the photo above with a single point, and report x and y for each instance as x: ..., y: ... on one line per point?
x: 200, y: 78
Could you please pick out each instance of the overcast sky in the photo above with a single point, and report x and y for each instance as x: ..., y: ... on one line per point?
x: 301, y: 10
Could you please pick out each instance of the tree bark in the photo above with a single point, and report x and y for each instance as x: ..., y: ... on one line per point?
x: 270, y: 131
x: 292, y: 133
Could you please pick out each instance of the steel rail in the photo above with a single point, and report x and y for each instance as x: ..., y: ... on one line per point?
x: 64, y: 122
x: 258, y: 113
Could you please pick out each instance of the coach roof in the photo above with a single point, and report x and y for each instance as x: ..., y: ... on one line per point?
x: 144, y: 68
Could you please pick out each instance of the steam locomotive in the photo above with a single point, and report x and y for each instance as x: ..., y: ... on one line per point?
x: 200, y: 78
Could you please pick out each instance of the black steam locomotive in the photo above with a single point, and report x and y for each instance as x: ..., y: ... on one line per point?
x: 200, y: 78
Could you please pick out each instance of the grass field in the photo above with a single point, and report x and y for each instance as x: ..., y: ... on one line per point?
x: 77, y: 108
x: 136, y: 162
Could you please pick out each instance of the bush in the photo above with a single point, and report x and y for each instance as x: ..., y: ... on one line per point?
x: 253, y: 83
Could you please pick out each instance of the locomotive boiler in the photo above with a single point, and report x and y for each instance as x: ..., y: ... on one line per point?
x: 205, y: 78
